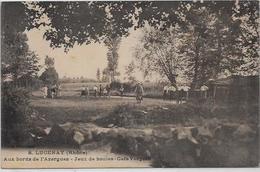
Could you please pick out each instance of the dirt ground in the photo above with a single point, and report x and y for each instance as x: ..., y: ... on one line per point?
x: 168, y: 134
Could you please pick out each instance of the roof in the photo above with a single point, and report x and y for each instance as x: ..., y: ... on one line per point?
x: 237, y: 80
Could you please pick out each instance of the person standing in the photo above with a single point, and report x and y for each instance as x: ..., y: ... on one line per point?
x: 87, y: 91
x: 100, y: 90
x: 59, y: 90
x: 181, y: 95
x: 53, y: 91
x: 204, y: 90
x: 139, y: 91
x: 83, y: 91
x: 171, y: 90
x: 121, y: 90
x: 165, y: 92
x: 108, y: 90
x: 95, y: 90
x: 105, y: 92
x: 45, y: 91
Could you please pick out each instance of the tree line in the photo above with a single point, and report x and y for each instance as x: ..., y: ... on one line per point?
x: 212, y: 44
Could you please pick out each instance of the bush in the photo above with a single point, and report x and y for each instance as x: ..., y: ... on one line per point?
x: 128, y: 87
x: 15, y: 103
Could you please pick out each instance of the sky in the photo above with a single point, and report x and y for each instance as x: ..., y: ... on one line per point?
x: 83, y: 60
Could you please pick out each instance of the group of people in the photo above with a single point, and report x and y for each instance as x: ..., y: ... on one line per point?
x: 51, y: 91
x: 182, y: 93
x: 106, y: 91
x: 98, y: 91
x: 172, y: 92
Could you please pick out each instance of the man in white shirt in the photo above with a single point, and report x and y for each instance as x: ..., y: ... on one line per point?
x: 165, y: 92
x: 204, y: 90
x: 95, y: 88
x: 45, y: 91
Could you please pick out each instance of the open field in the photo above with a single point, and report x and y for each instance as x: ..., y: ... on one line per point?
x: 71, y: 107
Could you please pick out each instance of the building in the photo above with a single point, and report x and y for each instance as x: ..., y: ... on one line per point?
x: 235, y: 89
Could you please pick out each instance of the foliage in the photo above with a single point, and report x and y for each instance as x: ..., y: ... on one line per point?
x: 50, y: 76
x: 116, y: 85
x: 17, y: 60
x: 71, y: 23
x: 49, y: 62
x: 247, y: 18
x: 19, y: 67
x: 112, y: 56
x: 215, y: 46
x: 210, y: 46
x: 159, y: 51
x: 14, y: 115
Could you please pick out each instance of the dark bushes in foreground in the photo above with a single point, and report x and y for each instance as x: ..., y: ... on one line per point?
x: 15, y: 112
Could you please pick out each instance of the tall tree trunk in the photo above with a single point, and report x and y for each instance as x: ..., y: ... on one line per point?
x: 172, y: 79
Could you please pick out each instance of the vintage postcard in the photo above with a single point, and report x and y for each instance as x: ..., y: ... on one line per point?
x: 100, y: 84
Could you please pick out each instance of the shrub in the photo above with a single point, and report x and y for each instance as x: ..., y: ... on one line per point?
x: 128, y: 87
x: 14, y: 115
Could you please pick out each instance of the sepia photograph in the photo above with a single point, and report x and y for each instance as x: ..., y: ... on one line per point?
x: 120, y: 84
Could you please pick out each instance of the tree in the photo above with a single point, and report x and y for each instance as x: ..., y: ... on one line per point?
x: 199, y: 48
x: 49, y: 62
x: 159, y: 52
x: 96, y: 18
x: 112, y: 56
x: 98, y: 75
x: 50, y: 75
x: 219, y: 49
x: 129, y: 72
x: 18, y: 66
x: 17, y: 59
x: 246, y: 16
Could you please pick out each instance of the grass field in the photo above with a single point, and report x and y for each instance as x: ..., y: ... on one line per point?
x: 71, y: 107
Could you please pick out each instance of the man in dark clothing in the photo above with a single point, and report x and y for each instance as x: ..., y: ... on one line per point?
x: 83, y: 91
x: 181, y: 95
x: 139, y: 91
x: 100, y: 90
x: 108, y: 90
x: 53, y: 91
x: 172, y: 91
